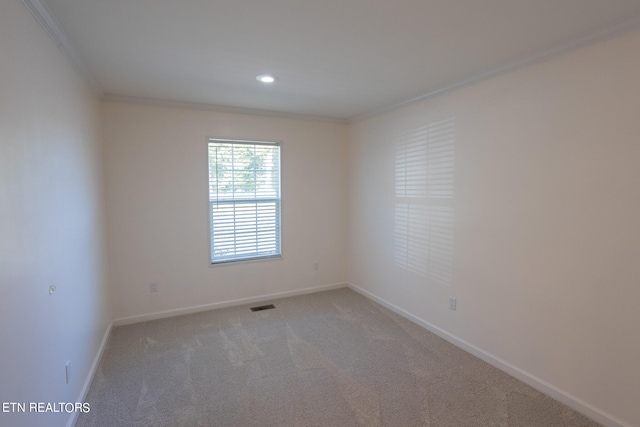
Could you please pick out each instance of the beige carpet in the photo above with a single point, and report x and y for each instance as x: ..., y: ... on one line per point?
x: 326, y: 359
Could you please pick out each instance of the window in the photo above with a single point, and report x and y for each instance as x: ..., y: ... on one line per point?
x: 244, y: 200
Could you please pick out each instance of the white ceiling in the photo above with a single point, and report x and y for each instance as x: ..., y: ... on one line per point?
x: 340, y: 59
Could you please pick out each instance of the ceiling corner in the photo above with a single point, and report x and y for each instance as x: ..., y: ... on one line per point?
x: 48, y: 22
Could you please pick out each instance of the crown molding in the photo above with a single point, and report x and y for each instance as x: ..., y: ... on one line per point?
x: 48, y: 22
x: 218, y: 108
x: 51, y: 26
x: 599, y: 36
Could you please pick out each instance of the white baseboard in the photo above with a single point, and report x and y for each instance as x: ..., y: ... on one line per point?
x: 522, y: 375
x: 205, y: 307
x: 92, y: 372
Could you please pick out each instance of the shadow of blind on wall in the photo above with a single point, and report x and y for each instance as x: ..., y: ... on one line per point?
x: 424, y: 191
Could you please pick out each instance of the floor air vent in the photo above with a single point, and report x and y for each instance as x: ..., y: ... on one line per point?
x: 263, y: 307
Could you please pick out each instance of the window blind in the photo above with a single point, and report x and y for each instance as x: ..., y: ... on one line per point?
x: 244, y: 200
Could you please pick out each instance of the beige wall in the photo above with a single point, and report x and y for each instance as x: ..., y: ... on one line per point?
x: 51, y: 229
x: 156, y: 169
x: 546, y: 245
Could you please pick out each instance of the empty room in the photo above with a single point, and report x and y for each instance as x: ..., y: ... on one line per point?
x: 335, y: 213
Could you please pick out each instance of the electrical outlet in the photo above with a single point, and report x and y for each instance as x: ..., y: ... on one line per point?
x: 452, y: 303
x: 316, y: 266
x: 153, y: 287
x: 67, y: 371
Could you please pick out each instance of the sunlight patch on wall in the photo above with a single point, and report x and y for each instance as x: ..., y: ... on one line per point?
x: 424, y: 190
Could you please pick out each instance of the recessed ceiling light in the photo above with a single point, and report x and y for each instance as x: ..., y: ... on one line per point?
x: 266, y: 78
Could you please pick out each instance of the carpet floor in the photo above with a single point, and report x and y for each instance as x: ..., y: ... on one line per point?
x: 331, y: 358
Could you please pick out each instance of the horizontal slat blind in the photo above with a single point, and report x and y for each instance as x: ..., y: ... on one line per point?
x: 244, y: 200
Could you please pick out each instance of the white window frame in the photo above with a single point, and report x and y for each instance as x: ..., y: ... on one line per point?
x: 213, y: 202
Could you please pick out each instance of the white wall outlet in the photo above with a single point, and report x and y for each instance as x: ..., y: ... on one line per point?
x: 452, y: 303
x: 153, y: 287
x: 316, y: 266
x: 67, y: 371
